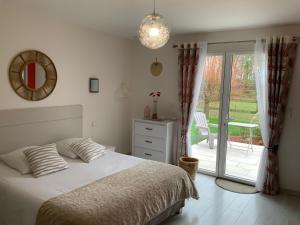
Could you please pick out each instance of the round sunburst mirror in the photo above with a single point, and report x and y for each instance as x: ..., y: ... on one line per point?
x: 156, y: 68
x: 32, y: 75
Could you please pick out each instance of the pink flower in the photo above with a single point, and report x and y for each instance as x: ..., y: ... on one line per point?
x: 155, y: 94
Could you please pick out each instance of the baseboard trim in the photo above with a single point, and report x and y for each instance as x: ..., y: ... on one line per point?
x: 290, y: 192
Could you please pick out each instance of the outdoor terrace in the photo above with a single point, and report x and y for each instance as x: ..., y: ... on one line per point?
x: 239, y: 163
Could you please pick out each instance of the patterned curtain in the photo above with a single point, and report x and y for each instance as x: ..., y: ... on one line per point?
x: 281, y: 59
x: 188, y: 64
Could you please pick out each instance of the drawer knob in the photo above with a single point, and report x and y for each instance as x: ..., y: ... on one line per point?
x: 147, y: 128
x: 148, y: 141
x: 147, y: 154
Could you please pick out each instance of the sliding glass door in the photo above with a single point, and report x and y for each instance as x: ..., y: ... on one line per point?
x: 225, y: 134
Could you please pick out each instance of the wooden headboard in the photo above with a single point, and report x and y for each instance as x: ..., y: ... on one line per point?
x: 38, y: 126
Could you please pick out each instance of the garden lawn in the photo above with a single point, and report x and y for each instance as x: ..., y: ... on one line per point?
x: 240, y: 111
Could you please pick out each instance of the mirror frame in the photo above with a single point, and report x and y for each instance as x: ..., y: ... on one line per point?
x: 15, y: 75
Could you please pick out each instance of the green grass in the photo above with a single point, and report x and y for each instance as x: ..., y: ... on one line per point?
x: 195, y: 136
x: 240, y: 111
x: 237, y: 106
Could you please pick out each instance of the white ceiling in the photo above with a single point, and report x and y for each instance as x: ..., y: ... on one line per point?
x: 122, y: 17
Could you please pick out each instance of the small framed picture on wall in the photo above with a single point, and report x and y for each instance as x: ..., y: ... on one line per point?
x: 94, y: 85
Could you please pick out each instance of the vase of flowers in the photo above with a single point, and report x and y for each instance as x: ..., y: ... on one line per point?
x: 155, y: 95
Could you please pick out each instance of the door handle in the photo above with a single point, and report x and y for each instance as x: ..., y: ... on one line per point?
x: 147, y: 154
x: 147, y: 128
x: 148, y: 141
x: 226, y: 121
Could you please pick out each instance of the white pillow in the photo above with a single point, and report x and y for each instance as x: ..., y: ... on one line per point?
x: 44, y: 160
x: 17, y: 160
x: 64, y: 147
x: 88, y: 150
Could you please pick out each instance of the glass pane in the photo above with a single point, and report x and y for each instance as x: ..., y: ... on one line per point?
x: 206, y: 119
x: 244, y: 143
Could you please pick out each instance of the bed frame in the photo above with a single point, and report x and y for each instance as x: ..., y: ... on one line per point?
x: 173, y: 210
x: 38, y: 126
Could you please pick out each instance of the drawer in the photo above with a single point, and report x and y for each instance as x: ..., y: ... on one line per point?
x: 157, y: 144
x: 149, y: 154
x: 149, y: 129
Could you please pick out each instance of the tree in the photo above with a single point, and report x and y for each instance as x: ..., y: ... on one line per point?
x: 210, y: 89
x: 242, y: 80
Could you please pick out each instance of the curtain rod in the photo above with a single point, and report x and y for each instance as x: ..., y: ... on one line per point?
x: 233, y: 42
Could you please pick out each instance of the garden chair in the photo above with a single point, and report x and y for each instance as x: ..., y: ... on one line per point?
x: 202, y: 125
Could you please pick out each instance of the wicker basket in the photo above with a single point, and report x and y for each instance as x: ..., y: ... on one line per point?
x: 190, y: 165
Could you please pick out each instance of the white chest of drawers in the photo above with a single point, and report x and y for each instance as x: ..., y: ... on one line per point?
x: 154, y: 140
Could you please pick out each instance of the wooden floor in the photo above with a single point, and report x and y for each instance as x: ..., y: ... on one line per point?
x: 219, y: 207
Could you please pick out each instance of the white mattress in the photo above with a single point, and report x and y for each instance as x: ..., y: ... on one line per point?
x: 22, y: 195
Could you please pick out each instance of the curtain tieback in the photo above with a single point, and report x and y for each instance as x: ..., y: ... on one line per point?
x: 183, y: 136
x: 273, y: 149
x: 183, y: 132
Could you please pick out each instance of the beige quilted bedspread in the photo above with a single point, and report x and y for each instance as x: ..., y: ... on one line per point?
x: 131, y: 197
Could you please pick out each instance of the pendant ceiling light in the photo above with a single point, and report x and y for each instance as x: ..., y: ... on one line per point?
x: 154, y: 32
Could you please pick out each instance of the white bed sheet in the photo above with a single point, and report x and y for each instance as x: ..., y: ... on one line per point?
x: 22, y: 195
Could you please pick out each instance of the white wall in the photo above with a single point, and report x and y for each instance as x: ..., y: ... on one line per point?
x: 167, y: 83
x: 78, y: 54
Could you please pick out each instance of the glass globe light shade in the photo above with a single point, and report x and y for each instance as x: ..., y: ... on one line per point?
x: 154, y: 32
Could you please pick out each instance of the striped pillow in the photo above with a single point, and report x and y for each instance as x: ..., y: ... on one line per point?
x: 87, y: 149
x: 44, y: 160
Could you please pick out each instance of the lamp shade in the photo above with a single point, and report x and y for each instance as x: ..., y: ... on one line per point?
x: 154, y: 32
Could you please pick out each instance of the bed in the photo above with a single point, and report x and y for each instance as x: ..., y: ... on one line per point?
x: 26, y: 199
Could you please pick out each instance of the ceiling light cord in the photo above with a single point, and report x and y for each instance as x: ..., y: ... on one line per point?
x: 154, y: 6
